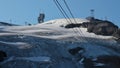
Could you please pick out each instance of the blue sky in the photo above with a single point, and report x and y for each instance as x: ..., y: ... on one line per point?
x: 21, y: 11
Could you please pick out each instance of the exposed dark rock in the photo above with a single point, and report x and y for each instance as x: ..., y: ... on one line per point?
x: 74, y: 51
x: 117, y: 34
x: 104, y: 61
x: 90, y: 27
x: 86, y: 24
x: 2, y: 56
x: 109, y: 61
x: 72, y: 25
x: 105, y: 28
x: 99, y: 27
x: 88, y: 63
x: 102, y: 28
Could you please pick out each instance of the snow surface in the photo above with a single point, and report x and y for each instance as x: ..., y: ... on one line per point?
x: 20, y: 45
x: 51, y: 39
x: 52, y: 29
x: 40, y: 59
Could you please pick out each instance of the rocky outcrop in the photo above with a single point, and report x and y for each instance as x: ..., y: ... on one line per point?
x: 76, y: 50
x: 108, y: 61
x: 103, y: 28
x: 72, y: 25
x: 104, y: 61
x: 90, y: 27
x: 117, y: 34
x: 2, y: 56
x: 99, y: 27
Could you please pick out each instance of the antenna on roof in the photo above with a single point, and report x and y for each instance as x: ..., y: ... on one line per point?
x: 92, y: 12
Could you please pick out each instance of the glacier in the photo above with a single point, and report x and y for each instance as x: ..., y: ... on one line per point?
x: 47, y: 45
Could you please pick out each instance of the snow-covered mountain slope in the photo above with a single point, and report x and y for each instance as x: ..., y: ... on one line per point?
x: 51, y: 44
x: 54, y: 29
